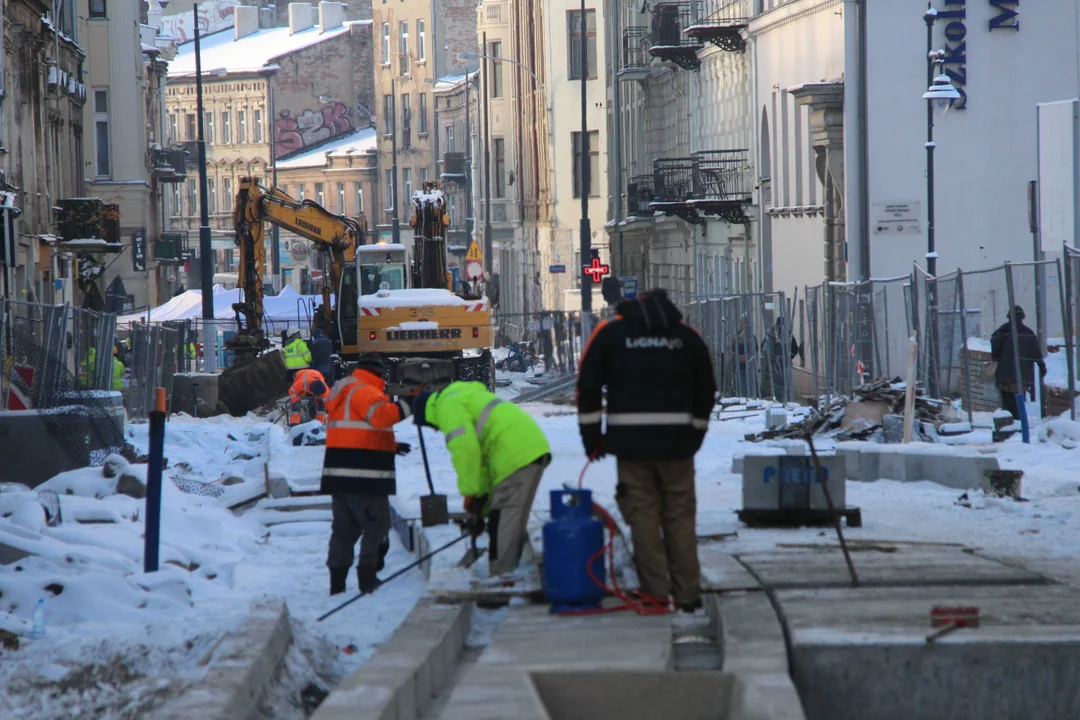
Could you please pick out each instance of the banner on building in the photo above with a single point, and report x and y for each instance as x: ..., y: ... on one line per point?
x: 138, y: 250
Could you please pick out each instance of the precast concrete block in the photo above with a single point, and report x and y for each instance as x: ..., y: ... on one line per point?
x: 961, y: 472
x: 892, y: 466
x: 757, y: 492
x: 37, y: 445
x: 737, y: 465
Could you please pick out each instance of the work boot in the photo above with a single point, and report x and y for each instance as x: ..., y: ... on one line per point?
x: 689, y: 608
x: 365, y: 575
x: 337, y: 580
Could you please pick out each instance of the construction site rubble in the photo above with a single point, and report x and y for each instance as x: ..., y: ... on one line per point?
x: 875, y: 411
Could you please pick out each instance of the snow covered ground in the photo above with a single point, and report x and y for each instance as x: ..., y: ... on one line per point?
x: 119, y: 640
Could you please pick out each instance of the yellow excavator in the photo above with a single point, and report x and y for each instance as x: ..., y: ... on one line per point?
x: 375, y: 300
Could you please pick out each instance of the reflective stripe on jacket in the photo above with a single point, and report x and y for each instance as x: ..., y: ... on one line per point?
x: 301, y: 385
x: 360, y: 442
x: 297, y: 354
x: 489, y: 439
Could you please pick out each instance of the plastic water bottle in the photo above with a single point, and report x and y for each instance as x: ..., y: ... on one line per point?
x: 38, y: 616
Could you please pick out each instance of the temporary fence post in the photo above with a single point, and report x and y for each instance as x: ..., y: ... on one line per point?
x: 964, y: 367
x: 1021, y: 390
x: 1070, y: 335
x: 152, y: 531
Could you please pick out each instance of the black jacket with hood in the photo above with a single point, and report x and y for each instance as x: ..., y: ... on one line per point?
x: 660, y: 383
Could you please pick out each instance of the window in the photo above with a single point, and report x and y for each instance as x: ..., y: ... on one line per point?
x: 500, y: 168
x: 102, y: 160
x: 211, y: 195
x: 319, y: 194
x: 388, y: 114
x: 258, y: 127
x: 592, y: 184
x: 452, y: 209
x: 241, y: 127
x: 341, y: 198
x: 421, y: 109
x: 359, y: 198
x: 192, y: 198
x: 174, y: 127
x: 300, y: 191
x: 226, y: 193
x: 423, y: 176
x: 495, y: 51
x: 449, y: 138
x: 406, y: 121
x: 226, y: 129
x: 421, y: 53
x: 175, y: 210
x: 406, y: 182
x: 389, y: 189
x: 208, y: 128
x: 189, y: 128
x: 386, y: 43
x: 97, y: 9
x: 574, y: 41
x: 403, y: 48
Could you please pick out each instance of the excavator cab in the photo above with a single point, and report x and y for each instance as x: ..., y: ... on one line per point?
x: 382, y: 263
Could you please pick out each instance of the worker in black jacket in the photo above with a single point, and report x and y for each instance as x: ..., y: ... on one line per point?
x: 660, y: 394
x: 322, y: 350
x: 1001, y: 350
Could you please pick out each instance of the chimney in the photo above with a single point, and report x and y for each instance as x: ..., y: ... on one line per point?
x: 300, y: 17
x: 331, y: 15
x: 267, y: 17
x: 245, y: 21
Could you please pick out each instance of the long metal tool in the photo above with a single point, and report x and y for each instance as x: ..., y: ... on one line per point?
x: 399, y: 573
x: 433, y: 510
x: 832, y: 510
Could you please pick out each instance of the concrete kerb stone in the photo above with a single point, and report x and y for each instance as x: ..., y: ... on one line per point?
x: 954, y: 467
x: 410, y: 669
x: 243, y: 668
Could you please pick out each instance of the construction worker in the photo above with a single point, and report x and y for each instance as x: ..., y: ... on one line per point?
x: 297, y: 354
x: 322, y: 351
x: 660, y: 393
x: 88, y: 367
x: 358, y: 471
x: 308, y: 388
x: 117, y: 370
x: 499, y: 453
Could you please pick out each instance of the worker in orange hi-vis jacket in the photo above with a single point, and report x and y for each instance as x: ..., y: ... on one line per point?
x: 309, y: 387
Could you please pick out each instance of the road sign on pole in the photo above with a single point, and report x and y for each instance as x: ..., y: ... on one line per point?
x: 629, y: 288
x: 474, y: 254
x: 474, y: 269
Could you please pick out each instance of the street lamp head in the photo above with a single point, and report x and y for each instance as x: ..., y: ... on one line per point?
x: 930, y: 16
x: 942, y: 94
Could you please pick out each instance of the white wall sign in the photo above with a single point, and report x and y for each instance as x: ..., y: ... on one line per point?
x: 900, y: 217
x: 1058, y: 127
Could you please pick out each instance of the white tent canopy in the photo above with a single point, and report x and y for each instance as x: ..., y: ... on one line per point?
x: 287, y: 310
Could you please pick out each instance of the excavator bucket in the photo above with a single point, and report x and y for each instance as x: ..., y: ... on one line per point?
x: 253, y: 384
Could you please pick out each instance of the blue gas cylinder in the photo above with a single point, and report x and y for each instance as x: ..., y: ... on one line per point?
x: 571, y: 538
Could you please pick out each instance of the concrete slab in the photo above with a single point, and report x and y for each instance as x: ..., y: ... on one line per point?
x: 905, y: 567
x: 961, y: 468
x: 530, y: 639
x: 721, y: 572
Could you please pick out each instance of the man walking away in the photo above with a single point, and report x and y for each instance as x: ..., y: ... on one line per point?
x: 1001, y: 350
x: 773, y: 350
x: 321, y: 352
x: 660, y: 393
x: 358, y: 471
x: 308, y: 388
x: 499, y: 454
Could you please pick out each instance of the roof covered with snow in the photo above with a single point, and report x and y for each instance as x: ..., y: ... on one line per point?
x: 449, y: 82
x: 358, y: 142
x: 248, y: 54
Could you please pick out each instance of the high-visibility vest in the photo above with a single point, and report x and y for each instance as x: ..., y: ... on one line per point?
x: 360, y: 442
x: 117, y: 374
x: 297, y: 354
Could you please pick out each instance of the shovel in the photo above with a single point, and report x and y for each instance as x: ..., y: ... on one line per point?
x: 433, y: 509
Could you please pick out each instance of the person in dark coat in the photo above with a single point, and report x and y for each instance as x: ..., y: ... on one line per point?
x: 777, y: 363
x: 321, y: 351
x: 1001, y: 350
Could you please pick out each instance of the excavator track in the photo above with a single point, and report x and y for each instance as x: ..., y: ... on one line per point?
x: 253, y: 384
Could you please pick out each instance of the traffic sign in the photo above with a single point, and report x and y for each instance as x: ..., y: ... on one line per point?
x: 556, y: 269
x: 596, y: 270
x: 473, y: 268
x: 474, y: 252
x: 629, y: 288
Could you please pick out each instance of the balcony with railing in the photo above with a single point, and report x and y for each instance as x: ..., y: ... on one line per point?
x: 639, y: 193
x: 669, y: 42
x: 708, y: 183
x: 636, y: 41
x: 723, y: 28
x: 453, y: 167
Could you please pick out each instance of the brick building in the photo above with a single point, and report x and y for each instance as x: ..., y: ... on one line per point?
x: 268, y: 93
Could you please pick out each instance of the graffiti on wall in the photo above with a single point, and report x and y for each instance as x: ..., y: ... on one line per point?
x: 214, y: 15
x: 310, y: 127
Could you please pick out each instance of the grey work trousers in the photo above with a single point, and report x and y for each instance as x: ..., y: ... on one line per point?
x: 357, y: 517
x: 509, y: 517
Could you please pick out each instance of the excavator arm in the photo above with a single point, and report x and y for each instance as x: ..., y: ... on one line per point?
x: 335, y: 234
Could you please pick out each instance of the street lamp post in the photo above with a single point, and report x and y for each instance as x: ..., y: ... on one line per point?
x: 395, y: 225
x: 489, y: 261
x: 205, y: 248
x: 585, y: 185
x: 275, y: 236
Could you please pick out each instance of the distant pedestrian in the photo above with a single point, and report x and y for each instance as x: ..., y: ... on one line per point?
x: 358, y: 471
x: 322, y: 351
x: 1001, y: 351
x: 779, y: 361
x: 660, y: 394
x: 742, y: 351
